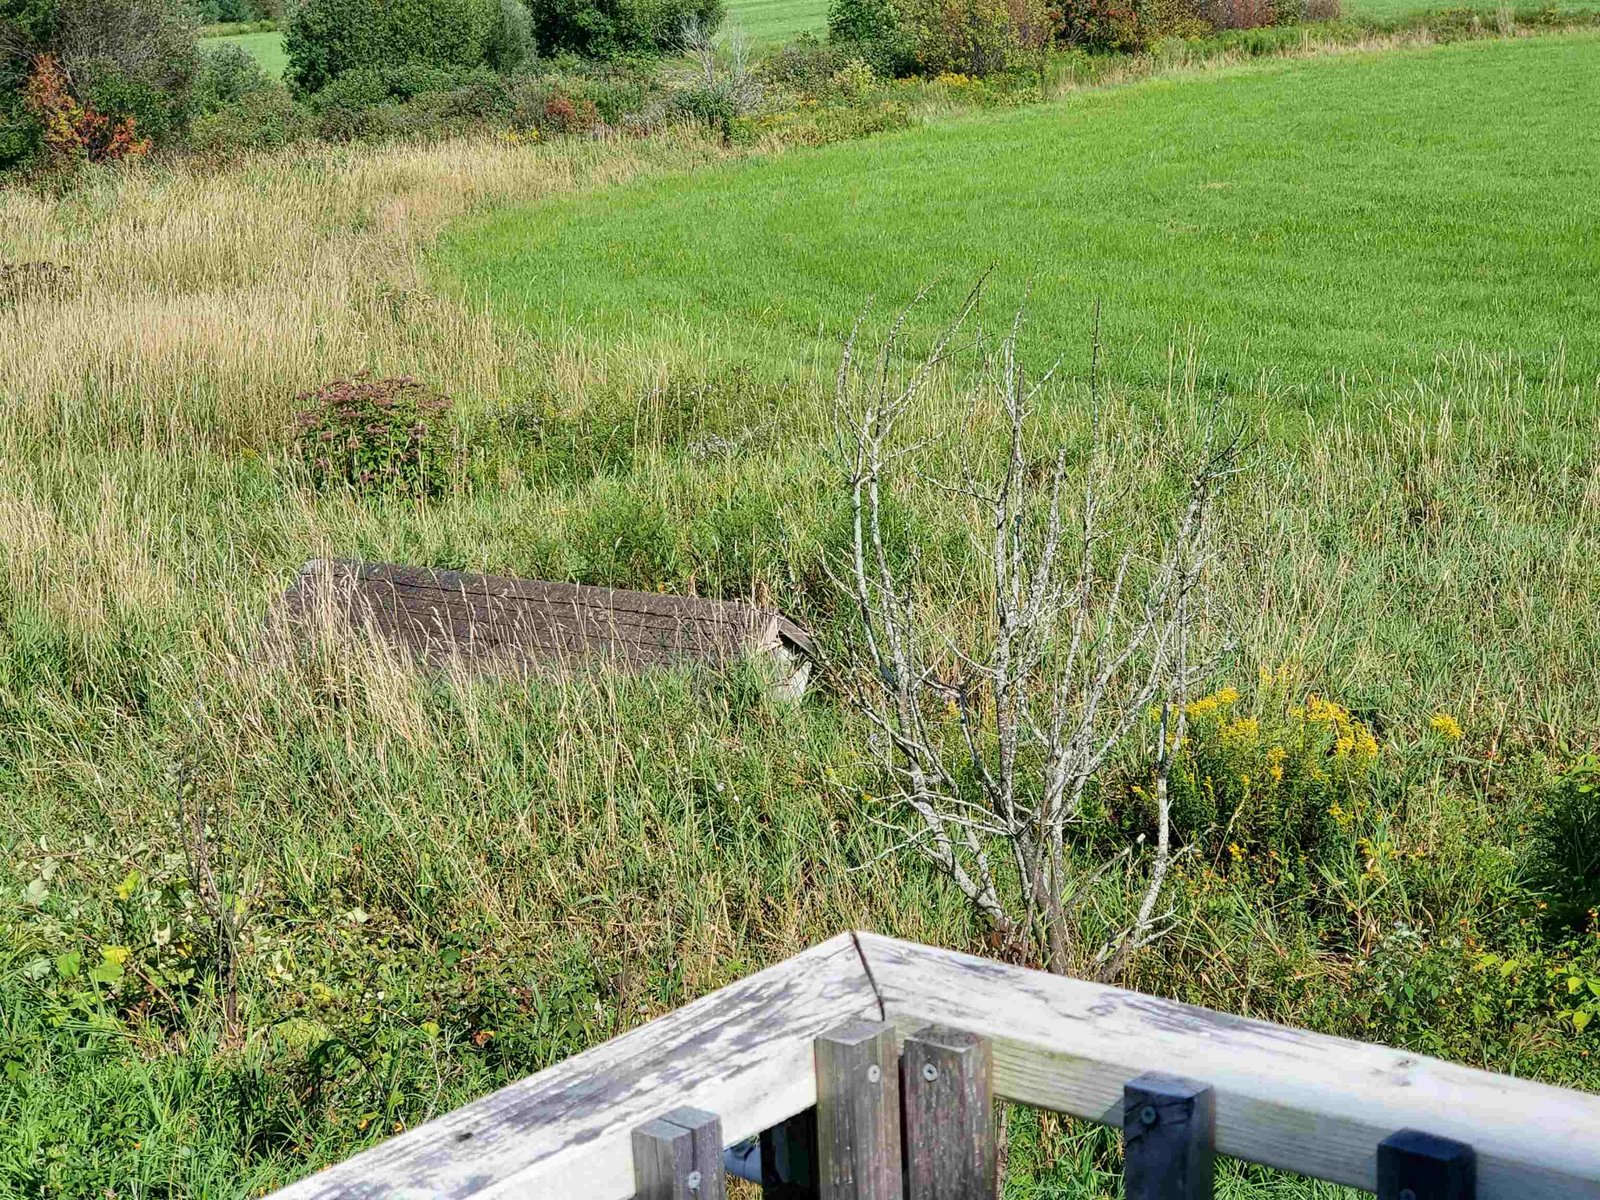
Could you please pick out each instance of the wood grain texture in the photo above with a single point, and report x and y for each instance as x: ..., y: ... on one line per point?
x: 858, y: 1113
x: 499, y: 624
x: 947, y: 1097
x: 678, y: 1156
x: 744, y: 1053
x: 1285, y: 1097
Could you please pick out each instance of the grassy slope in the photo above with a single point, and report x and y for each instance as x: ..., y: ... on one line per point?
x: 450, y: 884
x: 267, y: 48
x: 770, y: 22
x: 1340, y: 218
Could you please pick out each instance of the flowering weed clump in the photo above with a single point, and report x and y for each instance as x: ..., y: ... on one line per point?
x: 376, y: 435
x: 1271, y: 779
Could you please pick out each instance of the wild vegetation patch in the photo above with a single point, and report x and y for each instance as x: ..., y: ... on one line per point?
x: 258, y: 911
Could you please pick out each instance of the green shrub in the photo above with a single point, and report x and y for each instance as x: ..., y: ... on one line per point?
x: 1446, y: 997
x: 267, y: 119
x: 936, y: 37
x: 327, y: 38
x: 122, y: 58
x: 376, y: 435
x: 805, y: 64
x: 228, y: 73
x: 511, y: 42
x: 1564, y: 852
x: 609, y: 29
x: 874, y: 30
x: 368, y: 87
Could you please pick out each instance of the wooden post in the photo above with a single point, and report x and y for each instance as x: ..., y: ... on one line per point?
x: 1169, y: 1138
x: 789, y: 1158
x: 1418, y: 1166
x: 678, y: 1156
x: 946, y: 1081
x: 858, y: 1113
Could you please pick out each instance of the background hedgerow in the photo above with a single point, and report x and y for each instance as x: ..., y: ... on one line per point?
x: 324, y: 39
x: 91, y: 78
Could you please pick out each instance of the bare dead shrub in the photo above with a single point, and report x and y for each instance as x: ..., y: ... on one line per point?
x: 991, y: 738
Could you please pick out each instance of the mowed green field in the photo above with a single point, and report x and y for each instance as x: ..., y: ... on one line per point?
x: 266, y: 47
x: 773, y: 22
x: 1329, y: 222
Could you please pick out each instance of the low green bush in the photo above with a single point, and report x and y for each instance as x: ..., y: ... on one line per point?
x: 265, y: 119
x: 1443, y: 993
x: 806, y: 65
x: 1564, y: 848
x: 228, y: 73
x: 368, y: 87
x: 874, y: 30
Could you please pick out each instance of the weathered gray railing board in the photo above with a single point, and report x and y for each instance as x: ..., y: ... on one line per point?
x: 1285, y: 1097
x: 743, y: 1052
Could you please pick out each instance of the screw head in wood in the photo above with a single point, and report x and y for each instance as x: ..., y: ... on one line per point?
x: 1147, y: 1116
x: 874, y: 1073
x: 930, y: 1072
x: 693, y: 1181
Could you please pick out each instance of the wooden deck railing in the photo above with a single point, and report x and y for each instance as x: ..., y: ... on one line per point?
x: 902, y: 1109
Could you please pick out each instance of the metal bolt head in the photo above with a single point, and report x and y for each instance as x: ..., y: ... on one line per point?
x: 930, y: 1072
x: 874, y: 1073
x: 693, y: 1181
x: 1147, y: 1116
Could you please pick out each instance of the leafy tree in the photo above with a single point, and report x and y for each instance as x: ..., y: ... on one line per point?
x: 614, y: 28
x: 130, y: 62
x: 326, y: 38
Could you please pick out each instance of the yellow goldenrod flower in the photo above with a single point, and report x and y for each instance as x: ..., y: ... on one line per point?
x: 1207, y: 705
x: 1444, y: 724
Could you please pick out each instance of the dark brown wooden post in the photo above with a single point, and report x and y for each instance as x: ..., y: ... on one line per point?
x: 946, y: 1082
x: 789, y: 1158
x: 858, y: 1113
x: 1418, y: 1166
x: 1168, y: 1139
x: 678, y: 1156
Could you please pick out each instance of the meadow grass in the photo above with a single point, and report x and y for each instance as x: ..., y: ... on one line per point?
x: 265, y: 48
x: 452, y: 882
